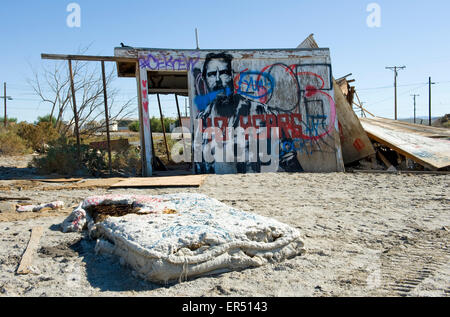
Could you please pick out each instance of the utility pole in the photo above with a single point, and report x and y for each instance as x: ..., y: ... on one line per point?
x: 5, y: 97
x: 429, y: 100
x: 415, y: 106
x: 4, y: 91
x: 395, y: 69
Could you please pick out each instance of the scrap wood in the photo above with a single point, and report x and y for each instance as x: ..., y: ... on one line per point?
x: 168, y: 181
x: 57, y: 180
x: 384, y: 159
x: 14, y: 198
x: 27, y: 258
x: 432, y: 153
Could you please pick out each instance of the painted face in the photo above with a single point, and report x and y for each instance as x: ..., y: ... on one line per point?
x: 218, y: 75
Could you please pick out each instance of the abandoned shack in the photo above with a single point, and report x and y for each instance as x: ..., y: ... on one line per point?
x: 264, y: 110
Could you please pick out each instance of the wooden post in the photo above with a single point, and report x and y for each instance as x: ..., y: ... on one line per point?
x: 75, y: 112
x: 141, y: 126
x: 145, y: 120
x: 106, y: 117
x: 163, y: 128
x: 429, y: 101
x: 179, y: 117
x: 181, y: 123
x: 5, y: 104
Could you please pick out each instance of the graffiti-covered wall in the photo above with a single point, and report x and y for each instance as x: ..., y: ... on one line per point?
x: 258, y: 110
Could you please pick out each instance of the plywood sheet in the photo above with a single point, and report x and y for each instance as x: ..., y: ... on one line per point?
x: 169, y: 181
x: 433, y: 153
x: 355, y: 143
x: 423, y: 130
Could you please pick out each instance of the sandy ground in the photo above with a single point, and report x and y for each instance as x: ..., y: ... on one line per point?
x: 364, y: 234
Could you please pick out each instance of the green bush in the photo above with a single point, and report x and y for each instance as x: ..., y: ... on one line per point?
x: 46, y: 119
x: 156, y: 124
x: 10, y: 120
x: 134, y: 126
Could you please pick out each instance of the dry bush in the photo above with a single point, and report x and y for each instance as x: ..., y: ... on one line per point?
x: 62, y: 158
x: 127, y: 161
x: 11, y: 143
x: 37, y: 136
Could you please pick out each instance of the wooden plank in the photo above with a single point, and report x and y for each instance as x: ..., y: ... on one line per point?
x: 27, y: 258
x: 431, y: 153
x: 57, y: 180
x: 14, y: 198
x: 169, y: 181
x: 384, y: 159
x: 88, y: 58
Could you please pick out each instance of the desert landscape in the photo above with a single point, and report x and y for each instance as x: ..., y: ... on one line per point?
x: 365, y: 234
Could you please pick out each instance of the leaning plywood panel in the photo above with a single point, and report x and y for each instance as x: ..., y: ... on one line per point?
x: 355, y: 143
x: 423, y: 130
x: 177, y: 236
x: 432, y: 153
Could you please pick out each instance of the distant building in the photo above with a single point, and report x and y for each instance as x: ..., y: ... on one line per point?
x: 113, y: 126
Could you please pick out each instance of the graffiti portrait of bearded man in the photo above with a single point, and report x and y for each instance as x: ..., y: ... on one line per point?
x: 220, y: 101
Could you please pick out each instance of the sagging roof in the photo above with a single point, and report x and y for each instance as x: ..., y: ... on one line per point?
x: 128, y: 69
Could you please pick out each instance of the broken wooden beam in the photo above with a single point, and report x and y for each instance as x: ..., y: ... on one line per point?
x: 27, y: 258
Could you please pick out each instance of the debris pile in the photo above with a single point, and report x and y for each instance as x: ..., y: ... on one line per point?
x: 173, y: 237
x: 41, y: 207
x: 374, y: 143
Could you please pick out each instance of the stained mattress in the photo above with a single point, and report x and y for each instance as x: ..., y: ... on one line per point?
x: 178, y: 236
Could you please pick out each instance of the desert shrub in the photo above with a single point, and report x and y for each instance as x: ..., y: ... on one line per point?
x: 160, y: 147
x: 127, y: 161
x: 62, y: 158
x: 12, y: 144
x: 37, y: 136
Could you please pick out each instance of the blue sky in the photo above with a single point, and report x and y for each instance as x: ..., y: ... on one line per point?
x: 412, y: 33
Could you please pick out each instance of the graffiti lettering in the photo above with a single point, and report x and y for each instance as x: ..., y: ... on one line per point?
x: 163, y: 62
x: 255, y: 85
